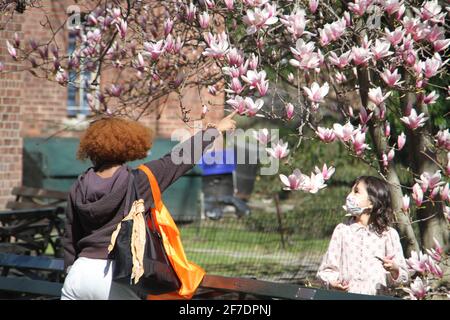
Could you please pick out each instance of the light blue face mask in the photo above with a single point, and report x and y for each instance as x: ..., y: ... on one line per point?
x: 352, y: 207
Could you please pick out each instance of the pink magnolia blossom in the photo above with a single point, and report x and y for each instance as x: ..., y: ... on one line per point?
x: 326, y: 135
x: 139, y: 64
x: 154, y: 50
x: 395, y: 37
x: 289, y: 111
x: 447, y: 169
x: 17, y: 40
x: 359, y: 7
x: 326, y: 172
x: 210, y: 4
x: 428, y: 181
x: 262, y: 136
x: 417, y: 262
x: 392, y: 6
x: 232, y: 72
x: 190, y: 10
x: 212, y: 90
x: 432, y: 65
x: 417, y: 194
x: 345, y: 132
x: 236, y: 86
x: 229, y: 4
x: 441, y: 44
x: 238, y: 104
x: 443, y: 139
x: 340, y: 78
x: 332, y: 32
x: 313, y: 4
x: 436, y: 252
x: 62, y: 76
x: 401, y: 140
x: 253, y: 78
x: 348, y: 19
x: 431, y: 10
x: 446, y: 212
x: 295, y: 23
x: 279, y: 151
x: 253, y: 62
x: 203, y: 20
x: 257, y: 18
x: 11, y: 50
x: 342, y: 61
x: 218, y: 45
x: 293, y: 181
x: 434, y: 192
x: 263, y: 87
x: 387, y: 129
x: 313, y: 183
x: 168, y: 25
x: 376, y: 96
x: 390, y: 155
x: 417, y: 290
x: 363, y: 116
x: 391, y: 78
x: 360, y: 55
x: 435, y: 34
x: 122, y: 28
x: 115, y: 90
x: 430, y: 98
x: 253, y: 106
x: 171, y: 46
x: 384, y: 160
x: 317, y: 93
x: 358, y: 141
x: 305, y: 57
x: 381, y: 49
x: 433, y: 267
x: 414, y: 121
x: 405, y: 203
x: 445, y: 193
x: 291, y: 77
x: 255, y: 3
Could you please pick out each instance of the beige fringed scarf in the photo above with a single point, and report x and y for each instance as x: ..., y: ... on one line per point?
x: 137, y: 238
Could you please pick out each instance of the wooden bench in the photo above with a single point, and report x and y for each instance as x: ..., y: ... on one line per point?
x: 31, y: 198
x: 28, y: 277
x: 212, y: 286
x: 31, y: 231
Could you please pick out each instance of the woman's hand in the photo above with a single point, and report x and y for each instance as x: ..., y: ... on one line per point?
x: 342, y: 286
x: 227, y: 123
x: 390, y: 265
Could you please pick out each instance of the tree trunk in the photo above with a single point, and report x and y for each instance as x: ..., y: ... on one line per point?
x: 432, y: 222
x: 407, y: 236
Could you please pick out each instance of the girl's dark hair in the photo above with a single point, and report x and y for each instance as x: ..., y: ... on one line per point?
x: 382, y: 214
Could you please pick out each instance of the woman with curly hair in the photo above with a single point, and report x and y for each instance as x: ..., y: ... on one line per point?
x: 365, y: 255
x: 96, y: 203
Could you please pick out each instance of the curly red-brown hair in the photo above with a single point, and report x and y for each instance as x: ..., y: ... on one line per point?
x: 115, y: 140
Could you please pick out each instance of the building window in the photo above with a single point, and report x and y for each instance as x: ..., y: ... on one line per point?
x: 77, y: 101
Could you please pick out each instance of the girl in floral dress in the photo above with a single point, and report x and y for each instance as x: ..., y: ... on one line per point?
x: 365, y: 255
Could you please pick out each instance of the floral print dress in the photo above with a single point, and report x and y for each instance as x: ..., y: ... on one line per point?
x: 351, y: 257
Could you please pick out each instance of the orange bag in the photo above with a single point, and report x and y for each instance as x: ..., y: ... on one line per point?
x: 189, y: 274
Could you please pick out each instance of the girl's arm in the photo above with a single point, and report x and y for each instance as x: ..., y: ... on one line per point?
x: 167, y: 171
x: 394, y: 251
x: 329, y: 270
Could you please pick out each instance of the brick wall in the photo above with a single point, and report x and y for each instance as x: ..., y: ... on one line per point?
x: 11, y: 88
x: 31, y: 106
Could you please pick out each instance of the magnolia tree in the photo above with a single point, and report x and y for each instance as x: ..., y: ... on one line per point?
x: 382, y: 62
